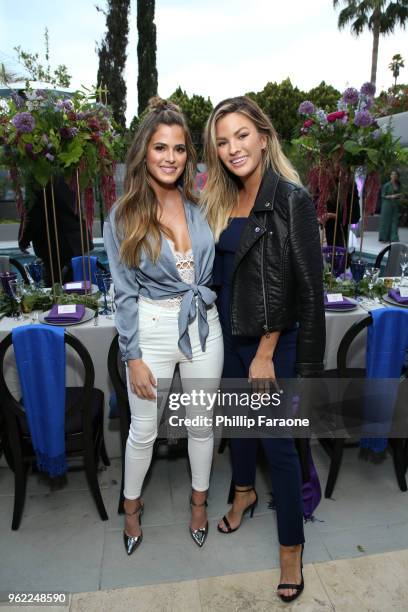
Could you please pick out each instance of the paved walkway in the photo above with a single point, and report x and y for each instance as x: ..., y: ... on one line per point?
x: 371, y: 583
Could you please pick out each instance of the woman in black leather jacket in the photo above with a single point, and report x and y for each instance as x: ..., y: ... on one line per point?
x: 269, y: 274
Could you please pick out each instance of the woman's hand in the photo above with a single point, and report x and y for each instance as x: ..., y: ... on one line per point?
x: 261, y: 367
x: 262, y: 371
x: 141, y: 379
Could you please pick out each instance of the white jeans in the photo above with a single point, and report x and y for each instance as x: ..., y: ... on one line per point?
x: 158, y: 340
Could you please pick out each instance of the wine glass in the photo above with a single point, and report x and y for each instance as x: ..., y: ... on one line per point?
x: 403, y: 264
x: 357, y: 269
x: 372, y: 274
x: 111, y: 293
x: 103, y: 280
x: 17, y: 293
x: 107, y: 279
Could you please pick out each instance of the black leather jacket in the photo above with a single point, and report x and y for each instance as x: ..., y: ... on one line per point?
x: 278, y: 278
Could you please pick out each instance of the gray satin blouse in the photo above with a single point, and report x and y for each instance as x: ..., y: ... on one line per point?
x: 161, y: 280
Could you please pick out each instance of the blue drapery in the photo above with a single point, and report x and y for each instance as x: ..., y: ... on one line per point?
x: 387, y: 343
x: 40, y: 359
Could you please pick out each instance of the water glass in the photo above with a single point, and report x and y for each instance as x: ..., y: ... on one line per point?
x: 6, y: 278
x: 17, y: 293
x: 36, y: 269
x: 403, y: 264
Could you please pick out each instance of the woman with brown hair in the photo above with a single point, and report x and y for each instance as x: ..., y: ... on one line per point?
x: 269, y: 273
x: 161, y: 253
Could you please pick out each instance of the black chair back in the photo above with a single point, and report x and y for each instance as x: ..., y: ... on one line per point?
x: 392, y: 267
x: 83, y: 427
x: 20, y: 269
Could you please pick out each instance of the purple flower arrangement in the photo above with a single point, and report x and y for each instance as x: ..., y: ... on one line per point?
x: 349, y: 134
x: 337, y: 143
x: 44, y: 136
x: 24, y: 123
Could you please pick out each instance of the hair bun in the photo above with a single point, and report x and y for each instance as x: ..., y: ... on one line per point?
x: 157, y: 104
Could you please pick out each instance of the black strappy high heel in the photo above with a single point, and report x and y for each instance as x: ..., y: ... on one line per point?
x: 297, y: 587
x: 250, y: 509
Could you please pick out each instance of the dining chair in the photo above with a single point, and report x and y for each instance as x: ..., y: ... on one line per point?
x: 84, y: 437
x: 73, y: 271
x: 392, y: 267
x: 7, y: 263
x: 351, y: 405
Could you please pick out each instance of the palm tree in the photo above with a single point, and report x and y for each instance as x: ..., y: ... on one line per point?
x: 395, y: 66
x: 378, y: 16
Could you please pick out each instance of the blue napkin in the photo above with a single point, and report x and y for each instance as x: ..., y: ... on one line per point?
x: 387, y: 343
x: 40, y: 358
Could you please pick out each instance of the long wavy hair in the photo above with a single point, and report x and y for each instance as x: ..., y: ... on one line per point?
x: 220, y: 194
x: 136, y: 213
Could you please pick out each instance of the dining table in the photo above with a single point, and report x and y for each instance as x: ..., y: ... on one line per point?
x: 98, y: 337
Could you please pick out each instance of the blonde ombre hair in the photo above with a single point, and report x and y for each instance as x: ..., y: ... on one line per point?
x: 136, y: 215
x: 220, y: 194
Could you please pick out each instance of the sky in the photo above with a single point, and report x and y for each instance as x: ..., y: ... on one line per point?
x: 215, y: 48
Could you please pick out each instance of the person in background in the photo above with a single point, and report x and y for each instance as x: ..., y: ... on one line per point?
x: 33, y: 229
x: 342, y: 228
x: 391, y: 193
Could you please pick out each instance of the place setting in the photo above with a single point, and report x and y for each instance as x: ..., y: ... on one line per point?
x: 67, y: 304
x: 337, y: 302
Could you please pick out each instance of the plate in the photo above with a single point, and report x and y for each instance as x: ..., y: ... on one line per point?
x: 392, y: 302
x: 332, y: 308
x: 89, y: 314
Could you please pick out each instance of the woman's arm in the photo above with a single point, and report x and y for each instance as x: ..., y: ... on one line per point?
x: 126, y: 296
x: 141, y: 379
x: 307, y: 265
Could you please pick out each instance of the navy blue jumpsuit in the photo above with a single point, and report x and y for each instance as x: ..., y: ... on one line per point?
x: 239, y: 351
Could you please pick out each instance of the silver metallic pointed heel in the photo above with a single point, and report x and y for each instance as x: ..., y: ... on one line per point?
x: 199, y: 535
x: 132, y: 542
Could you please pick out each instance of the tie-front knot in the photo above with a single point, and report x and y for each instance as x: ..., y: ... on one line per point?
x: 188, y: 312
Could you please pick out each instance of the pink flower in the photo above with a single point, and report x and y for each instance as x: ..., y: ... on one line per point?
x: 308, y: 123
x: 332, y: 117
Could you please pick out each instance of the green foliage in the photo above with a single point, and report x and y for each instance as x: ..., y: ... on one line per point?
x: 196, y: 110
x: 146, y: 53
x: 58, y: 77
x: 38, y: 299
x: 392, y: 101
x: 112, y: 58
x: 280, y: 102
x: 324, y: 96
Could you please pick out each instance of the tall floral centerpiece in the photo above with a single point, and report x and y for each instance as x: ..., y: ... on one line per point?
x: 340, y: 142
x: 43, y: 135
